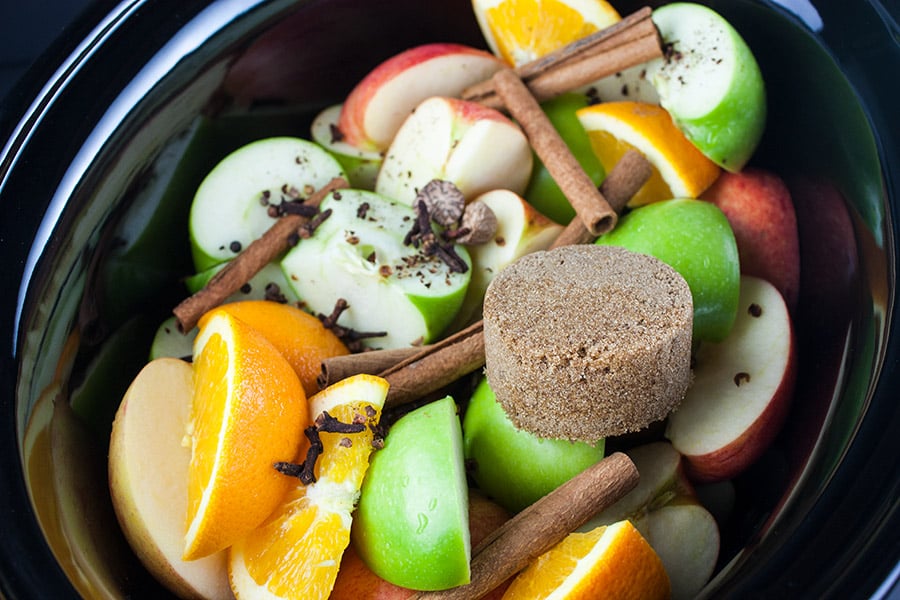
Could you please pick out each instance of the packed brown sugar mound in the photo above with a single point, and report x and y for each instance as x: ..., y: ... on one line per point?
x: 585, y: 342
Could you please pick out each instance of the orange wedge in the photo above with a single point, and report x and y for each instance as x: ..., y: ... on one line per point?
x: 248, y: 411
x: 679, y: 169
x: 519, y: 31
x: 613, y: 562
x: 297, y: 552
x: 299, y: 336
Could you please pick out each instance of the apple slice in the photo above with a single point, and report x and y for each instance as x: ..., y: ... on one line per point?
x: 169, y: 342
x: 710, y: 83
x: 230, y: 208
x: 148, y: 465
x: 382, y: 100
x: 665, y: 509
x: 359, y: 254
x: 476, y: 148
x: 758, y: 205
x: 670, y: 231
x: 269, y: 283
x: 513, y: 466
x: 412, y: 523
x: 520, y: 230
x: 742, y: 388
x: 361, y: 164
x: 632, y: 84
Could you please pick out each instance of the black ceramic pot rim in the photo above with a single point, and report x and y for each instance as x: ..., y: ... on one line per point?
x: 864, y: 491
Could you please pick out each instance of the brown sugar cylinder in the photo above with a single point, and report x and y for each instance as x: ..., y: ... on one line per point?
x: 584, y: 342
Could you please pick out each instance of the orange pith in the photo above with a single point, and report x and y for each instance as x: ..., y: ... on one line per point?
x: 249, y: 410
x: 523, y: 30
x: 299, y: 336
x: 679, y: 170
x: 613, y: 562
x: 296, y: 553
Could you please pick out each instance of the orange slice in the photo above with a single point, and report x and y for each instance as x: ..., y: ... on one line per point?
x: 613, y: 562
x: 519, y: 31
x: 296, y: 553
x: 680, y: 170
x: 248, y: 411
x: 299, y: 336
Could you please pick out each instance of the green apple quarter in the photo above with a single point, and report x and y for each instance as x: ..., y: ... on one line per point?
x: 231, y: 207
x: 695, y: 239
x: 358, y: 254
x: 511, y: 465
x: 411, y: 526
x: 710, y: 82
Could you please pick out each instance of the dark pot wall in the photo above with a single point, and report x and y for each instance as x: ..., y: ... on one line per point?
x: 84, y: 147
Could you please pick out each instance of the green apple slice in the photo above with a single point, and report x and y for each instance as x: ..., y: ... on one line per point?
x: 230, y: 208
x: 511, y: 465
x: 694, y: 238
x: 358, y: 254
x: 361, y: 164
x: 270, y: 278
x: 710, y: 82
x: 412, y: 522
x: 169, y: 342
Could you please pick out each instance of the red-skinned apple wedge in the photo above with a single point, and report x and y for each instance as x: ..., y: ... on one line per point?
x: 665, y: 509
x: 381, y: 101
x: 742, y: 388
x: 758, y: 205
x: 475, y: 147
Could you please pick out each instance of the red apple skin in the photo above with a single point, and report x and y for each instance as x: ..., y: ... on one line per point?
x: 732, y: 459
x: 759, y: 207
x: 355, y: 581
x: 352, y: 122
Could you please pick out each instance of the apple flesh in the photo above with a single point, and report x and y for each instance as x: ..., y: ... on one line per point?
x: 741, y: 391
x: 230, y: 208
x: 665, y: 509
x: 412, y: 523
x: 695, y: 239
x: 543, y: 192
x: 377, y: 106
x: 759, y: 207
x: 268, y: 283
x: 632, y: 84
x: 511, y: 465
x: 475, y: 147
x: 169, y: 342
x: 710, y: 83
x: 520, y: 230
x: 358, y: 254
x: 360, y: 164
x: 148, y: 479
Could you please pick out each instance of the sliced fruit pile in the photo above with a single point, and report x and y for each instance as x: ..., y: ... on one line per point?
x: 444, y: 194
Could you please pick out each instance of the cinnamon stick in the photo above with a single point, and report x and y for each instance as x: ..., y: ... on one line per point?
x: 621, y: 183
x: 632, y: 41
x: 539, y: 527
x: 248, y: 263
x: 436, y: 366
x: 371, y: 362
x: 590, y: 205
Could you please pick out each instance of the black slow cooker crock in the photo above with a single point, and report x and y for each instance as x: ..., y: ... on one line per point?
x: 818, y: 516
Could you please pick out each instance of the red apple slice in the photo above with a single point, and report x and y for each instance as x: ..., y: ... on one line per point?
x: 475, y: 147
x: 758, y: 206
x: 741, y: 391
x: 381, y: 101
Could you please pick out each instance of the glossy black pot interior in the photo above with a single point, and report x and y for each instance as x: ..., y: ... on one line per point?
x: 817, y: 516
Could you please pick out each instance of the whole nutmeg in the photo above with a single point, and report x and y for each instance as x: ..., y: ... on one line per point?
x: 443, y: 201
x: 481, y: 223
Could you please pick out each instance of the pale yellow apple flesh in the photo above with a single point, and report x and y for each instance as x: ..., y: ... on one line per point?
x: 148, y: 465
